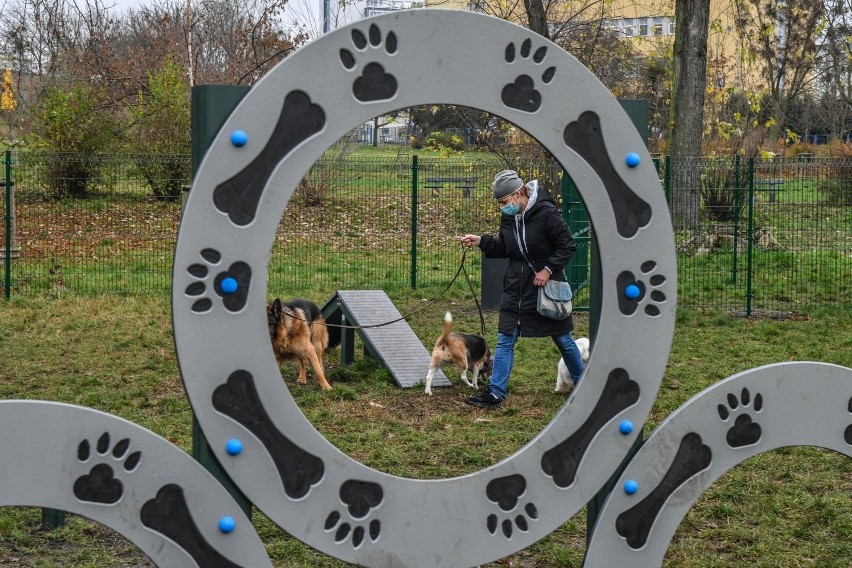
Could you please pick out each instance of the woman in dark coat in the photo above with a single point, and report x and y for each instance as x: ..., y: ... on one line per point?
x: 537, y: 241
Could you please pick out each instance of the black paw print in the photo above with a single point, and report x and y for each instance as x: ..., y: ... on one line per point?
x: 522, y: 94
x: 505, y: 492
x: 631, y: 292
x: 360, y: 497
x: 847, y: 435
x: 744, y: 432
x: 231, y: 285
x: 100, y: 484
x: 374, y: 84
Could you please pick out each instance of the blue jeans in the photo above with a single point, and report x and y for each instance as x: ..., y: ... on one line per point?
x: 504, y: 359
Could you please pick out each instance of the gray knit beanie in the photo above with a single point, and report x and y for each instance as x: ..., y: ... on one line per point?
x: 506, y: 183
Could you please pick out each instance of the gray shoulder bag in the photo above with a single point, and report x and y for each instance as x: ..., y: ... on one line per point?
x: 554, y: 298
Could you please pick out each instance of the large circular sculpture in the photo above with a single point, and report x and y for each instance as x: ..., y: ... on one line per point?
x: 762, y: 409
x: 125, y: 477
x: 282, y: 126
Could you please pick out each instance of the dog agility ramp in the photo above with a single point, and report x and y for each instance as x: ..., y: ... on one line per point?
x: 395, y: 345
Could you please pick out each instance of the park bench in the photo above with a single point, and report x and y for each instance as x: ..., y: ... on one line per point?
x: 436, y: 184
x: 769, y: 185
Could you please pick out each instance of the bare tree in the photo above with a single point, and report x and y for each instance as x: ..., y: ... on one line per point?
x: 837, y: 56
x: 781, y: 36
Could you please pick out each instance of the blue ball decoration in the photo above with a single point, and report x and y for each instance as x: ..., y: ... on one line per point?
x: 239, y: 138
x: 228, y: 285
x: 631, y: 487
x: 234, y: 447
x: 632, y: 291
x: 632, y: 159
x: 227, y: 524
x: 626, y: 427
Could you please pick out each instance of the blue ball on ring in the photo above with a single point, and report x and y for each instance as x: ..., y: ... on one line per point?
x: 632, y: 291
x: 632, y: 159
x: 227, y: 524
x: 626, y: 427
x: 631, y: 487
x: 239, y: 138
x: 228, y: 285
x: 234, y: 447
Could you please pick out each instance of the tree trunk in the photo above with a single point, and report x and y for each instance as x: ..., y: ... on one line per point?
x: 687, y: 113
x: 536, y: 17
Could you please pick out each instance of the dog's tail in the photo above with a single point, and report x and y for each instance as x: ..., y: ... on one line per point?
x: 448, y: 324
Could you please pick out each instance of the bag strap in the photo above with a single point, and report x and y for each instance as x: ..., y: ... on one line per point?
x: 521, y: 248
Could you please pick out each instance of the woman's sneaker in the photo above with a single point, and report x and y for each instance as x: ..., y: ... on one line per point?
x: 484, y: 399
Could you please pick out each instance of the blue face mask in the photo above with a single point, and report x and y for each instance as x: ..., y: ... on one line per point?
x: 510, y: 209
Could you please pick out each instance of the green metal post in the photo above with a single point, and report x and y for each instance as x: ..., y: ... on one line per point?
x: 737, y: 176
x: 7, y: 278
x: 578, y: 222
x: 50, y: 518
x: 211, y: 105
x: 656, y: 165
x: 749, y: 246
x: 637, y: 110
x: 414, y: 169
x: 667, y: 181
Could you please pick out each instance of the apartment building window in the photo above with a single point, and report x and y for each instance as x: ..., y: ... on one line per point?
x: 658, y: 26
x: 628, y: 27
x: 643, y: 26
x: 671, y: 26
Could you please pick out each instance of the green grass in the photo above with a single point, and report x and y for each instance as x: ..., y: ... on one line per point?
x: 787, y: 507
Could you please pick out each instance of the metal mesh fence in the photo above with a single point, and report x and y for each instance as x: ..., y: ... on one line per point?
x: 750, y: 234
x: 770, y: 235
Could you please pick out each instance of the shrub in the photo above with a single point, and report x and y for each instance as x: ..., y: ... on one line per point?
x: 73, y: 126
x: 444, y: 140
x: 836, y: 183
x: 162, y: 118
x: 719, y: 189
x: 166, y: 174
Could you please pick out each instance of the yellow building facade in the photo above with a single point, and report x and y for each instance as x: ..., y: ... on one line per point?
x: 650, y: 27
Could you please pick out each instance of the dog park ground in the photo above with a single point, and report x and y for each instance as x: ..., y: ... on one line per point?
x: 787, y: 507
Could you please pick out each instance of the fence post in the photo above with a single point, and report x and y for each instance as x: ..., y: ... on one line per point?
x: 737, y: 178
x: 575, y: 214
x: 210, y: 107
x: 414, y: 169
x: 667, y: 181
x: 750, y: 241
x: 7, y: 278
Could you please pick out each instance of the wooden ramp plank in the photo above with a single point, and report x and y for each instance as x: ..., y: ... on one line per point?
x: 395, y: 345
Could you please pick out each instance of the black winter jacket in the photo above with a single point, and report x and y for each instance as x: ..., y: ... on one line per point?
x: 548, y: 243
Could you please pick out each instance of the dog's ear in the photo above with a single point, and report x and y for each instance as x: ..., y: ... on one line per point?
x: 276, y: 307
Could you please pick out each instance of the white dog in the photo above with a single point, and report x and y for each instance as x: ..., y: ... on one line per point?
x: 563, y: 378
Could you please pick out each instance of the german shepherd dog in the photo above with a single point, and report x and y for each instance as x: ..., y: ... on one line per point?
x: 464, y: 351
x: 298, y: 332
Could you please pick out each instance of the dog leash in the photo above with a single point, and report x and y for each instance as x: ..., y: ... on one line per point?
x: 460, y: 270
x: 473, y: 294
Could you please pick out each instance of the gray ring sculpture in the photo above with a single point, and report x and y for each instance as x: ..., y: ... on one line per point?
x: 125, y: 477
x: 742, y: 416
x: 282, y: 126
